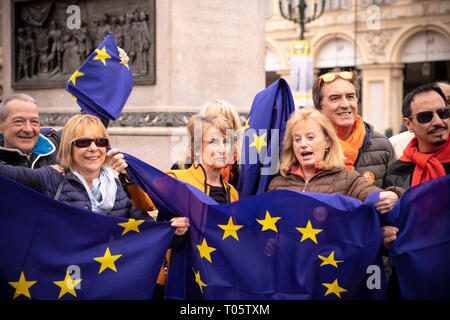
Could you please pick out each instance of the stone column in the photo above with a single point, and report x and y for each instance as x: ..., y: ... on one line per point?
x: 382, y: 94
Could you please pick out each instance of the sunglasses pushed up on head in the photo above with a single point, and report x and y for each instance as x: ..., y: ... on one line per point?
x: 331, y: 76
x: 427, y: 116
x: 86, y: 142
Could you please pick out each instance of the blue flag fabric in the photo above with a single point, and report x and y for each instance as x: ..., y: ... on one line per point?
x: 421, y: 251
x: 43, y: 240
x: 263, y: 137
x: 276, y: 245
x: 102, y: 84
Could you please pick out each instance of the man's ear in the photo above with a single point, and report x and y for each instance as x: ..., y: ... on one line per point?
x: 408, y: 124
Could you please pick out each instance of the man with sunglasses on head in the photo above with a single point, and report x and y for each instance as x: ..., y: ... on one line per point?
x: 427, y: 156
x: 367, y: 151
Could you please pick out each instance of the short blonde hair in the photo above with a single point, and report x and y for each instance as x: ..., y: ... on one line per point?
x: 334, y: 157
x: 223, y: 108
x: 75, y: 129
x: 207, y: 122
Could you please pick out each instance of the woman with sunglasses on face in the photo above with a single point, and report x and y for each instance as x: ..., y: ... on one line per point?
x: 88, y: 183
x: 312, y: 161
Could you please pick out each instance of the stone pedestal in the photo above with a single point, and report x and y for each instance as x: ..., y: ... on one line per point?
x: 205, y: 50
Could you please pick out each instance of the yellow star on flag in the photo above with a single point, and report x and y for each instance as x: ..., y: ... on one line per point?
x: 334, y: 288
x: 329, y: 260
x: 131, y: 225
x: 22, y: 286
x: 230, y: 229
x: 67, y: 285
x: 107, y: 261
x: 199, y: 281
x: 259, y: 142
x: 125, y: 64
x: 269, y: 222
x: 75, y: 75
x: 246, y: 124
x: 205, y: 251
x: 309, y: 232
x: 102, y: 55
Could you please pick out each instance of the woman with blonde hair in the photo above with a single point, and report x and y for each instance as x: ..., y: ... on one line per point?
x: 88, y: 183
x: 230, y: 173
x: 312, y: 160
x: 209, y: 147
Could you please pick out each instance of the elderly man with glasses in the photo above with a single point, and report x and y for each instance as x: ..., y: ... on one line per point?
x: 369, y: 152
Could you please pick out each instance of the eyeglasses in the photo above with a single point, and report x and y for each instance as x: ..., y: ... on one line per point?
x: 86, y: 142
x: 427, y: 116
x: 331, y: 76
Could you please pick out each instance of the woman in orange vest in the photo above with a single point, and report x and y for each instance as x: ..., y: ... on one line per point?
x: 211, y: 142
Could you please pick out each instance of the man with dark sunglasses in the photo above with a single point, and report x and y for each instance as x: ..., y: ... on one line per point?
x: 367, y: 151
x: 427, y: 156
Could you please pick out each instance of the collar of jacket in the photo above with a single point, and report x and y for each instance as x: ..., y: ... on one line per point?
x: 42, y: 148
x: 295, y: 176
x: 199, y: 174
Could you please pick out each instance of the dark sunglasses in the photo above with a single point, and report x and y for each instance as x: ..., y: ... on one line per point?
x: 86, y: 142
x: 427, y: 116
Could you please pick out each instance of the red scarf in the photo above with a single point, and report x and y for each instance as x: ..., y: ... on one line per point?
x: 428, y: 165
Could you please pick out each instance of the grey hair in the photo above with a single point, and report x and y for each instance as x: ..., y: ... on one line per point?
x: 16, y: 96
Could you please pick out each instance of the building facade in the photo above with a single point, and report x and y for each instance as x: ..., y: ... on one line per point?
x: 395, y: 45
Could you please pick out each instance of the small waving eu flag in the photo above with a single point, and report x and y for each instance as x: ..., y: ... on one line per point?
x: 103, y: 83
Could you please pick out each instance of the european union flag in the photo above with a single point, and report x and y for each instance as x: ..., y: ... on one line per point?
x: 263, y: 137
x: 275, y: 245
x: 103, y: 83
x: 49, y: 250
x: 421, y: 251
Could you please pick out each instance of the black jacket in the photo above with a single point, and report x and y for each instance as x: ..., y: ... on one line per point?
x: 375, y: 155
x: 43, y: 154
x: 400, y: 174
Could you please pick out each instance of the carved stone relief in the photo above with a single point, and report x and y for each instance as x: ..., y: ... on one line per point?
x: 46, y: 50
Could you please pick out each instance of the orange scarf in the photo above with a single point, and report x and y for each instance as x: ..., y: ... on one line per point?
x: 353, y: 143
x: 428, y: 165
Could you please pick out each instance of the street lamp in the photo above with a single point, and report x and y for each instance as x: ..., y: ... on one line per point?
x: 296, y: 12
